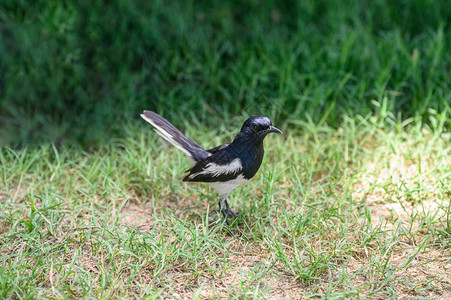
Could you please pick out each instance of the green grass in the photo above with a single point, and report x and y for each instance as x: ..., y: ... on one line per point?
x: 353, y: 201
x: 77, y: 71
x: 359, y: 211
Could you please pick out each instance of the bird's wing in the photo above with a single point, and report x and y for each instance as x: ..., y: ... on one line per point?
x: 174, y: 136
x: 216, y: 149
x: 221, y: 166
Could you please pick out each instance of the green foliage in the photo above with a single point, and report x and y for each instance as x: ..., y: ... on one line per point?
x: 79, y: 70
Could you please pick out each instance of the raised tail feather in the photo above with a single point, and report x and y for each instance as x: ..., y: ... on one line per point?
x: 174, y: 136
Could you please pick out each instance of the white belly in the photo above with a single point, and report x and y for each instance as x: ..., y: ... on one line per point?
x: 223, y: 188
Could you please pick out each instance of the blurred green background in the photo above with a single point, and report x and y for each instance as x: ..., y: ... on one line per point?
x: 79, y: 71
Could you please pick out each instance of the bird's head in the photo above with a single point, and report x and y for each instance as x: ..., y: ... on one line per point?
x: 257, y: 128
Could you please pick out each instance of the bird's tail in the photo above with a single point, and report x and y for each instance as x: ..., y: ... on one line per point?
x: 174, y: 136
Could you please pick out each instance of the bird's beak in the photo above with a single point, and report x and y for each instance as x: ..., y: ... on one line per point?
x: 274, y: 129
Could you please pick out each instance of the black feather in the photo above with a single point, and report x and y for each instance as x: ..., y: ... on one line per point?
x: 218, y: 148
x: 221, y: 158
x: 195, y: 151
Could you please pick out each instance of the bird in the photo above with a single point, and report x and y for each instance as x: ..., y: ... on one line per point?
x: 226, y: 166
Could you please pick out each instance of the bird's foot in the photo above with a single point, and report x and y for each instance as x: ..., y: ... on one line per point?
x: 229, y: 229
x: 226, y: 212
x: 231, y: 213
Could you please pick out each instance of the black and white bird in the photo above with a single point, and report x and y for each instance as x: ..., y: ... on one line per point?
x: 225, y: 167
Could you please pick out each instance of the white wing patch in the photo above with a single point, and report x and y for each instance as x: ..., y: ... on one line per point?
x: 216, y: 170
x: 164, y: 134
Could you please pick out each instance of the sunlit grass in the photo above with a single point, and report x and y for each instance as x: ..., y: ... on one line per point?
x: 358, y: 211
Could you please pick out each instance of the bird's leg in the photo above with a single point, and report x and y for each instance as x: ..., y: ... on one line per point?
x: 229, y: 211
x: 224, y: 208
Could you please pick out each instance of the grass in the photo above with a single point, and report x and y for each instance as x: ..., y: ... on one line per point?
x: 362, y: 211
x: 353, y: 201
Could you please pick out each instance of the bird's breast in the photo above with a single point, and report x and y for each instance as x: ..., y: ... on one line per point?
x: 251, y: 161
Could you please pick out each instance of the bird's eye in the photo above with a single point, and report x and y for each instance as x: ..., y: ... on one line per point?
x: 254, y: 127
